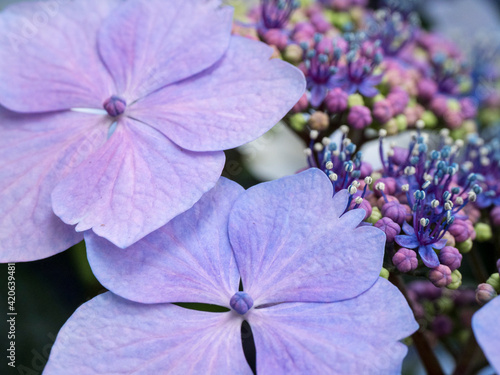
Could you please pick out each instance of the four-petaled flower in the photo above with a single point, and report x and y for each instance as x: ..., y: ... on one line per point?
x: 311, y: 290
x: 115, y: 114
x: 424, y: 242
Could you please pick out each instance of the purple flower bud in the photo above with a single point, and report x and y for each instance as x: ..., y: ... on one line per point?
x: 359, y: 117
x: 460, y: 230
x: 115, y: 106
x: 426, y: 89
x: 390, y: 186
x: 276, y: 37
x: 305, y: 28
x: 440, y: 276
x: 365, y: 205
x: 495, y: 216
x: 389, y: 227
x: 439, y: 105
x: 450, y: 257
x: 395, y: 211
x: 241, y: 302
x: 485, y: 293
x: 336, y: 100
x: 442, y: 325
x: 365, y: 169
x: 320, y: 22
x: 468, y: 108
x: 405, y: 260
x: 382, y: 111
x: 399, y: 99
x: 400, y: 155
x: 498, y: 265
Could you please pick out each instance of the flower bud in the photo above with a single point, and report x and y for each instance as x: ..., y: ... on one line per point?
x: 382, y: 111
x: 298, y: 122
x: 495, y: 216
x: 459, y: 230
x: 355, y: 100
x: 395, y: 211
x: 359, y: 117
x: 293, y: 53
x: 456, y: 280
x: 389, y: 227
x: 405, y: 260
x: 483, y: 232
x: 375, y: 216
x: 442, y: 325
x: 276, y: 37
x: 450, y: 257
x: 494, y: 281
x: 301, y: 106
x: 336, y: 100
x: 319, y: 121
x: 464, y: 247
x: 384, y: 273
x: 485, y: 293
x: 440, y: 276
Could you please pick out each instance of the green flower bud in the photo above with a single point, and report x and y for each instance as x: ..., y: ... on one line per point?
x: 298, y: 122
x: 293, y: 53
x: 464, y: 247
x: 384, y: 273
x: 445, y: 305
x: 429, y: 119
x: 375, y: 216
x: 453, y: 105
x: 483, y: 232
x: 355, y: 99
x: 401, y: 122
x: 456, y: 280
x: 378, y: 98
x: 494, y: 281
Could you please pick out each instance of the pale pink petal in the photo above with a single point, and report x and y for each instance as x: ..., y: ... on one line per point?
x: 355, y: 336
x: 49, y: 59
x: 291, y: 245
x: 134, y: 184
x: 147, y: 45
x: 232, y: 103
x: 187, y: 260
x: 113, y: 336
x: 36, y: 151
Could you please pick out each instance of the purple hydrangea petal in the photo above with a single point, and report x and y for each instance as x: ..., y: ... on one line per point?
x: 440, y: 244
x: 410, y: 242
x: 429, y: 256
x: 486, y: 327
x: 188, y: 260
x: 408, y: 229
x: 318, y: 94
x: 290, y: 244
x: 134, y: 184
x: 49, y: 60
x: 367, y: 89
x: 233, y: 102
x: 355, y: 336
x: 110, y: 335
x: 147, y: 45
x: 35, y: 152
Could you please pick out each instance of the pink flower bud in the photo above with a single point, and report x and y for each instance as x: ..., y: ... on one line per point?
x: 336, y: 100
x: 495, y: 216
x: 276, y: 37
x: 382, y: 111
x: 301, y: 105
x: 440, y: 276
x: 395, y: 211
x: 468, y: 108
x: 426, y: 89
x: 389, y: 227
x: 359, y: 117
x: 485, y: 293
x: 450, y: 257
x: 405, y: 260
x: 460, y: 230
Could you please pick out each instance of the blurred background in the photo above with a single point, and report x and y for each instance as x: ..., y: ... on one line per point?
x: 50, y: 290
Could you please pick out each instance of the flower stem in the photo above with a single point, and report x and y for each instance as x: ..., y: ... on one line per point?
x: 423, y: 347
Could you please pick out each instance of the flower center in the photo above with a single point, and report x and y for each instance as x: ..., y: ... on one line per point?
x: 115, y: 106
x: 241, y: 302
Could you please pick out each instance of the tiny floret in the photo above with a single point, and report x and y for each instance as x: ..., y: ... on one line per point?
x: 241, y: 302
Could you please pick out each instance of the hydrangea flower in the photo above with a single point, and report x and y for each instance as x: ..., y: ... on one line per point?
x: 115, y: 114
x: 311, y: 294
x: 486, y: 327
